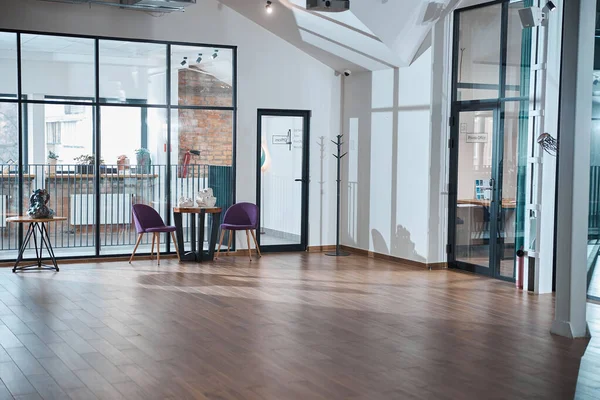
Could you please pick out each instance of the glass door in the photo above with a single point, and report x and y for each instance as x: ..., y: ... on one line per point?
x: 486, y: 169
x: 282, y: 179
x: 475, y: 190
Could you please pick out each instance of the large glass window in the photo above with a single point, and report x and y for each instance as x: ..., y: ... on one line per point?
x: 59, y: 151
x: 102, y: 142
x: 8, y: 65
x: 133, y: 71
x: 201, y: 76
x: 202, y: 144
x: 57, y: 67
x: 9, y: 181
x: 478, y: 59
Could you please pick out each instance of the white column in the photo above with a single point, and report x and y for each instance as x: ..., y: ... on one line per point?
x: 548, y: 53
x: 573, y: 167
x: 441, y: 43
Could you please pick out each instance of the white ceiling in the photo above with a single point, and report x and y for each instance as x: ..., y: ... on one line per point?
x: 372, y: 35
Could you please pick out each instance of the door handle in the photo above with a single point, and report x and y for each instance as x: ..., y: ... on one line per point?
x: 299, y: 180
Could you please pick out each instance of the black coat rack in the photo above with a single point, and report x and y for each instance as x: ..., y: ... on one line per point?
x: 338, y: 251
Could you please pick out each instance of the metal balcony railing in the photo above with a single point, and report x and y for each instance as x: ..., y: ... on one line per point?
x: 73, y: 195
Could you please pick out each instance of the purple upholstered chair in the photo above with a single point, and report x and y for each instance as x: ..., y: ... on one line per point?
x: 147, y: 220
x: 240, y: 217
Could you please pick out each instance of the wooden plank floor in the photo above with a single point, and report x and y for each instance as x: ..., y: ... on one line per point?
x: 296, y: 326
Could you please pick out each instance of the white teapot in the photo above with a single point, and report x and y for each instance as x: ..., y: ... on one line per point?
x: 185, y: 202
x: 205, y: 198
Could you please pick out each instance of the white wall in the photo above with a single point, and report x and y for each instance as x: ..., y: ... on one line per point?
x: 386, y: 201
x: 271, y: 74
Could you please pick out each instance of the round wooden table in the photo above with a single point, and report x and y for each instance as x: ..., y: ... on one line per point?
x: 197, y: 254
x: 36, y: 225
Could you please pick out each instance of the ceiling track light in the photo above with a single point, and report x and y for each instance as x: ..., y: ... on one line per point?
x: 199, y: 59
x: 269, y: 7
x: 215, y: 54
x: 184, y: 62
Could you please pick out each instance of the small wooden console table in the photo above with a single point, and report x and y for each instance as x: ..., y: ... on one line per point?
x: 197, y: 252
x: 36, y: 225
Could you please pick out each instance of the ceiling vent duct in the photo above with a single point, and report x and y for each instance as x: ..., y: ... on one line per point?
x: 328, y: 5
x: 160, y: 3
x: 142, y: 5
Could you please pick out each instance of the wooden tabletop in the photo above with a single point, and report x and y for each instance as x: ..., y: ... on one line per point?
x: 506, y: 203
x: 25, y: 219
x: 196, y: 210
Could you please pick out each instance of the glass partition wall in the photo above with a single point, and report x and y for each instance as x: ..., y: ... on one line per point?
x: 105, y: 123
x: 489, y: 129
x: 593, y: 271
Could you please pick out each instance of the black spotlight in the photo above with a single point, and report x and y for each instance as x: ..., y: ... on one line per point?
x: 215, y: 54
x: 268, y: 7
x: 199, y: 59
x: 184, y: 62
x: 550, y: 6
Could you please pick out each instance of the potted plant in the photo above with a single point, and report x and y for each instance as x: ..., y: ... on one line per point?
x: 143, y: 160
x: 85, y: 164
x: 52, y: 160
x: 122, y: 162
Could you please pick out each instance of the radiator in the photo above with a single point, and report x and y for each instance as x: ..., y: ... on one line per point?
x: 114, y: 209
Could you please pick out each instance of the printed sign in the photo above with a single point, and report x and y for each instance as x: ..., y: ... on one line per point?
x: 477, y: 137
x: 280, y: 139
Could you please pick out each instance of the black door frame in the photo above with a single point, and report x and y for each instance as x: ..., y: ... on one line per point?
x: 304, y: 180
x: 498, y: 105
x: 495, y: 240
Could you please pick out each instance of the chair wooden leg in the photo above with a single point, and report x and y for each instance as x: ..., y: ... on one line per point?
x: 158, y: 247
x: 176, y: 246
x: 152, y: 248
x: 220, y: 242
x: 249, y: 249
x: 136, y: 246
x: 231, y: 233
x: 256, y: 243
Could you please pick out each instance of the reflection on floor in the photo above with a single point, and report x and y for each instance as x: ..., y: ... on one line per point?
x: 269, y: 240
x: 286, y: 326
x: 479, y: 255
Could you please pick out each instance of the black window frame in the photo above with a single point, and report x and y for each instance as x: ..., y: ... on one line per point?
x: 98, y: 102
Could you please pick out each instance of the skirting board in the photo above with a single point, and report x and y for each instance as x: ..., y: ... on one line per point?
x: 320, y: 249
x: 387, y: 257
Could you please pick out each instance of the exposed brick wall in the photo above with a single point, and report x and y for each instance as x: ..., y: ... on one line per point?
x: 209, y: 131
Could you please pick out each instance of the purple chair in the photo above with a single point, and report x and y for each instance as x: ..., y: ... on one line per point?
x: 240, y: 217
x: 147, y: 220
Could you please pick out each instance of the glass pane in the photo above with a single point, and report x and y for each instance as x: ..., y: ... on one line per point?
x: 518, y: 53
x: 281, y: 194
x: 134, y: 171
x: 514, y: 170
x: 201, y: 76
x: 479, y: 53
x: 9, y: 182
x: 475, y: 152
x: 8, y: 65
x: 55, y: 67
x: 209, y: 132
x: 122, y: 125
x: 60, y: 158
x: 133, y: 72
